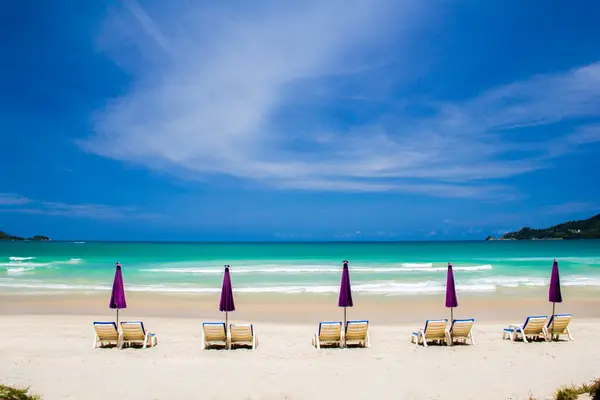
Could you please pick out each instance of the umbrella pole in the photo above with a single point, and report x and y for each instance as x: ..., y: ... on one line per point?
x: 553, y: 312
x: 451, y: 317
x: 117, y: 318
x: 344, y: 327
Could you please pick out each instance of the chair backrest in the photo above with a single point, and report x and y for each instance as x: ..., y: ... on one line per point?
x: 330, y: 331
x: 435, y: 328
x: 214, y: 330
x: 558, y: 323
x: 133, y: 330
x: 357, y: 330
x: 461, y: 327
x: 241, y: 332
x: 534, y: 324
x: 106, y: 330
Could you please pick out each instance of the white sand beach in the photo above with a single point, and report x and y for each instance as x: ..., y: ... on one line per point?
x: 53, y: 354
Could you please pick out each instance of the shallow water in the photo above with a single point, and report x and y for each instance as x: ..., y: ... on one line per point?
x: 383, y: 268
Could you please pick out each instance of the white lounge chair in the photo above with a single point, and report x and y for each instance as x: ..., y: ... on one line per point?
x: 534, y: 328
x: 328, y: 334
x: 214, y: 334
x: 561, y: 326
x: 357, y: 333
x: 462, y: 329
x: 434, y: 331
x: 134, y: 332
x: 106, y: 333
x: 242, y: 334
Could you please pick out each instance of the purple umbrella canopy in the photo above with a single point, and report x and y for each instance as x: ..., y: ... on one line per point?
x: 117, y: 297
x: 345, y: 299
x: 451, y: 299
x: 554, y: 295
x: 226, y: 304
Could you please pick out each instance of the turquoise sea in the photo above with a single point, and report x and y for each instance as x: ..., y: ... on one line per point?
x: 378, y: 268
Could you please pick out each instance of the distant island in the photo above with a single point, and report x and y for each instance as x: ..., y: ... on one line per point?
x: 39, y: 238
x: 582, y: 229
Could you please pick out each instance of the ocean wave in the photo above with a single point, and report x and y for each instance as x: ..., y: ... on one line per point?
x: 24, y: 262
x: 417, y: 265
x: 314, y: 269
x: 511, y: 281
x: 579, y: 260
x: 482, y: 285
x: 18, y: 264
x: 21, y: 258
x: 373, y: 288
x: 18, y: 270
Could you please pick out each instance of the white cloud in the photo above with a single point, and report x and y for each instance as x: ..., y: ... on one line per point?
x: 10, y: 199
x: 208, y: 85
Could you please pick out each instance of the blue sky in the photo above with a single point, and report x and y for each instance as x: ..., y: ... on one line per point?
x: 368, y: 120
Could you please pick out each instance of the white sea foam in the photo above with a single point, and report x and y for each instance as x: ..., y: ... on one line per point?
x: 315, y: 269
x: 373, y: 288
x: 383, y: 288
x: 26, y: 262
x: 18, y: 270
x: 417, y: 265
x: 577, y: 260
x: 18, y: 264
x: 511, y: 281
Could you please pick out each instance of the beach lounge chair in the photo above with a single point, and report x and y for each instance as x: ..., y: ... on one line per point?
x: 357, y: 333
x: 329, y: 334
x: 462, y: 329
x: 435, y: 330
x: 242, y: 334
x: 534, y: 328
x: 214, y: 334
x: 134, y: 332
x: 106, y: 333
x: 561, y: 326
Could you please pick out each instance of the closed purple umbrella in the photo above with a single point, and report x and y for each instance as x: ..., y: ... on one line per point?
x: 554, y: 294
x: 117, y: 297
x: 451, y: 299
x: 226, y: 303
x: 345, y: 299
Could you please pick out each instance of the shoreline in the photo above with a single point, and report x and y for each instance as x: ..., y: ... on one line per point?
x: 305, y: 308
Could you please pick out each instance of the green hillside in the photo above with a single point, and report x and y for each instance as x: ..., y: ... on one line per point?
x: 582, y: 229
x: 6, y: 236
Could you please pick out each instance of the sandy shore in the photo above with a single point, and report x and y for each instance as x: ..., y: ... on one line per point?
x: 53, y: 353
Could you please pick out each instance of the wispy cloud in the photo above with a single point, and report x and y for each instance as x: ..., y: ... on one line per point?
x: 207, y: 99
x: 11, y: 199
x: 90, y: 211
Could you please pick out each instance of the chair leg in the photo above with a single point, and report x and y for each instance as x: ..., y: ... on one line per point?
x: 95, y: 345
x: 424, y: 339
x: 472, y: 338
x: 523, y: 334
x: 569, y: 333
